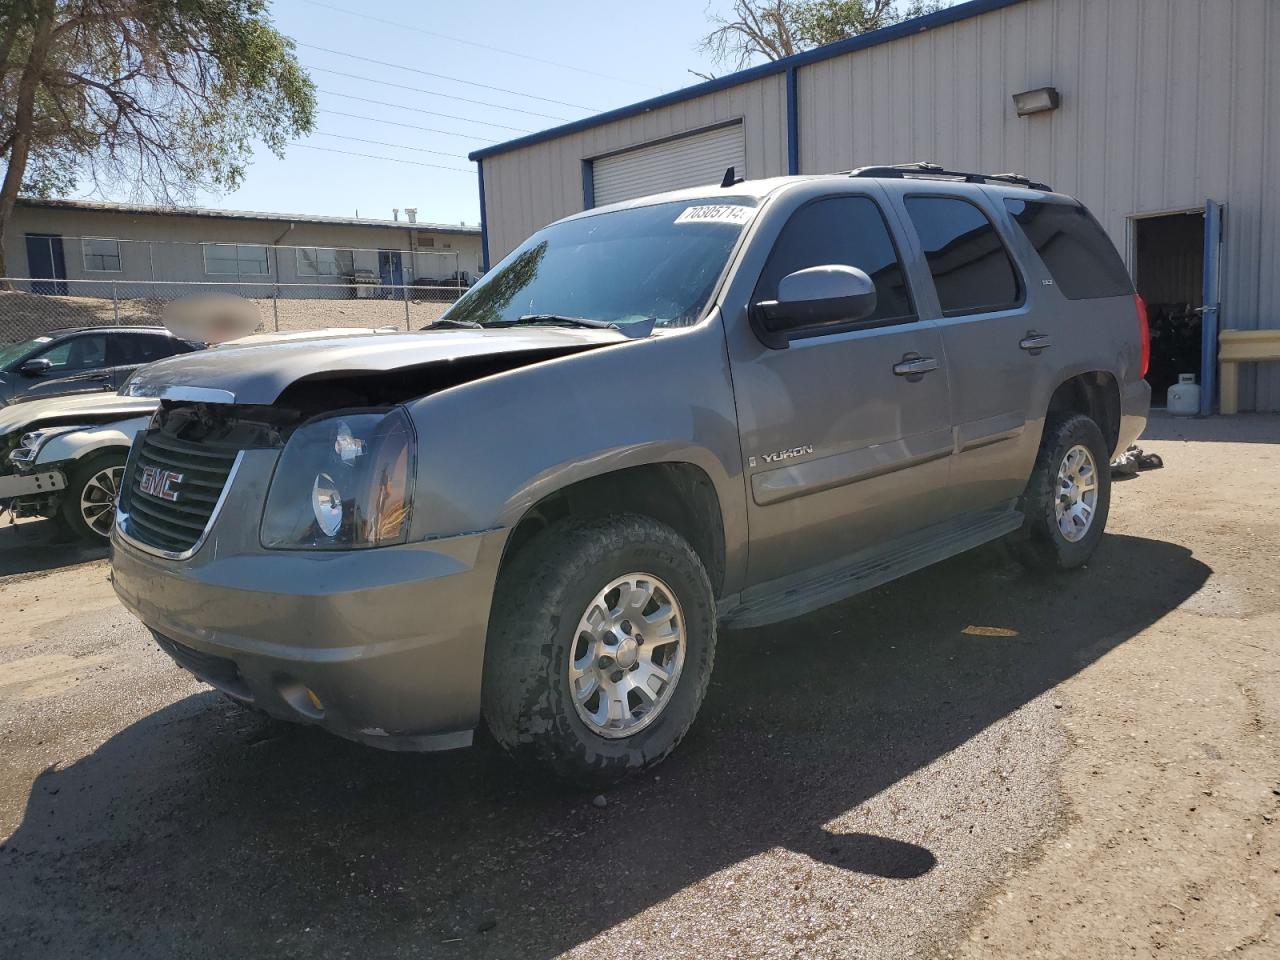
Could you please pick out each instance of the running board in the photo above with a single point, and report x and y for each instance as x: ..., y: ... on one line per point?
x: 792, y: 596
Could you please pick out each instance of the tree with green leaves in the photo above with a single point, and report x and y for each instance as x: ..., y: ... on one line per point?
x: 774, y: 29
x: 164, y: 97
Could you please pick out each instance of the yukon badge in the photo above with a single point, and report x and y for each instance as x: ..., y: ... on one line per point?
x: 800, y: 451
x: 159, y: 483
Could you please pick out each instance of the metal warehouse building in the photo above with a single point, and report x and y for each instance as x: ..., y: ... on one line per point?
x: 1163, y: 116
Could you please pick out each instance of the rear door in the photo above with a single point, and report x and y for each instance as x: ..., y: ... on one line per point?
x: 994, y: 347
x: 128, y: 351
x: 844, y: 446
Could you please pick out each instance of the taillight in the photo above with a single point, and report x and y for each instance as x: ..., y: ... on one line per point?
x: 1144, y: 334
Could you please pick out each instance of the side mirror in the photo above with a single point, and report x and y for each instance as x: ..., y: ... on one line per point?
x: 815, y: 297
x: 35, y: 368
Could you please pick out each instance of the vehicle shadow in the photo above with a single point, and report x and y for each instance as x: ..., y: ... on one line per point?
x: 203, y: 831
x: 34, y: 546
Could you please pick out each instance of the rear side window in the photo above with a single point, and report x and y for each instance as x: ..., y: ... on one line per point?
x: 851, y: 232
x: 1079, y: 255
x: 971, y: 268
x: 132, y: 349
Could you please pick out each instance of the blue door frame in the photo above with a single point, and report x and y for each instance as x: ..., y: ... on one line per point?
x: 1211, y: 300
x: 390, y: 268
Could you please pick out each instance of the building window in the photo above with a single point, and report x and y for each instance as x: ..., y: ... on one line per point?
x: 325, y: 262
x: 101, y: 255
x: 236, y: 259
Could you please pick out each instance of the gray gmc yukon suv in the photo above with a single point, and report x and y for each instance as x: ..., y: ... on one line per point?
x: 721, y: 406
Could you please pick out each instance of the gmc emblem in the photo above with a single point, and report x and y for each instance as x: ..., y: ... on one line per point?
x: 159, y: 483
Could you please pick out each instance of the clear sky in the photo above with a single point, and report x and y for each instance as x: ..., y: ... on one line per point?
x: 622, y: 52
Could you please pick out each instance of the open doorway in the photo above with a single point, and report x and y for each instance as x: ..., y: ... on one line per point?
x: 1169, y: 274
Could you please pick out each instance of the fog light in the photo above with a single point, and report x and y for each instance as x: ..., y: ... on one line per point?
x: 315, y: 701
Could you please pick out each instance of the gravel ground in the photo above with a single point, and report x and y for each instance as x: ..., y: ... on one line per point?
x: 971, y: 761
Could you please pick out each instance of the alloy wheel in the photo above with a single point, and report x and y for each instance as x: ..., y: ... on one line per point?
x: 1077, y: 494
x: 98, y: 500
x: 627, y: 655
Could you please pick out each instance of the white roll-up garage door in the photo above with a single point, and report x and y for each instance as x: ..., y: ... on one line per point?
x: 690, y: 161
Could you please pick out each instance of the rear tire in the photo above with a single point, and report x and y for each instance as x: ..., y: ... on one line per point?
x: 88, y: 503
x: 1068, y: 497
x: 589, y: 621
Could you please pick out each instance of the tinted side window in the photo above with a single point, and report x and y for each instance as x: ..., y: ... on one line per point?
x: 78, y: 353
x: 971, y: 268
x: 1079, y: 255
x: 132, y: 349
x: 849, y: 231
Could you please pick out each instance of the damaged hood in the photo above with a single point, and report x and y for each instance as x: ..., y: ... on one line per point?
x: 259, y: 374
x: 80, y: 408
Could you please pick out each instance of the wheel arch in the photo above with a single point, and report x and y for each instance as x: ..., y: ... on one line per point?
x: 1096, y: 394
x: 78, y: 444
x: 678, y: 493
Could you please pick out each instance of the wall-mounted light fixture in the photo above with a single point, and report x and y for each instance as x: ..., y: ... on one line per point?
x: 1041, y: 100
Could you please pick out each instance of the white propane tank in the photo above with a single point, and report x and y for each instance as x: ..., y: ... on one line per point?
x: 1184, y: 396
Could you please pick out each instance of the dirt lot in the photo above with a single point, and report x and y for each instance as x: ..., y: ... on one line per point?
x: 971, y: 762
x: 25, y: 315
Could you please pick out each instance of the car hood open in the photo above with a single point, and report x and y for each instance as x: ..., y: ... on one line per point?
x: 259, y: 374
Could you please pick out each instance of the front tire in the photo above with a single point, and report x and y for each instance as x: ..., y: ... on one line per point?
x: 88, y: 503
x: 600, y: 648
x: 1068, y: 497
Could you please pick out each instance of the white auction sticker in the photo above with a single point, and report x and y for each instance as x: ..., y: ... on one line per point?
x: 715, y: 213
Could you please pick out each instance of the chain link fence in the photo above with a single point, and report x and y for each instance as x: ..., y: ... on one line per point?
x: 33, y: 307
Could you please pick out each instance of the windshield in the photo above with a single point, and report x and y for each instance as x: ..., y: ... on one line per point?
x: 12, y: 351
x: 655, y: 264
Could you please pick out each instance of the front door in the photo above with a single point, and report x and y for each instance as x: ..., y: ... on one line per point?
x: 77, y: 365
x: 46, y: 262
x: 389, y: 268
x: 845, y: 433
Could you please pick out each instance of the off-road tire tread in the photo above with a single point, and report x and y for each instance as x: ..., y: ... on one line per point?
x: 522, y: 688
x: 1039, y: 545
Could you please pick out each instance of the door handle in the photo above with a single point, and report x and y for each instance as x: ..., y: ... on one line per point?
x: 914, y: 367
x: 1035, y: 342
x: 100, y: 377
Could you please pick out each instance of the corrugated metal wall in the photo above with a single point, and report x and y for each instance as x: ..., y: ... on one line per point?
x: 1165, y: 103
x: 528, y: 188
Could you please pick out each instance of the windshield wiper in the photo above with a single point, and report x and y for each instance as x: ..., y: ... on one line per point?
x: 560, y: 318
x: 447, y: 323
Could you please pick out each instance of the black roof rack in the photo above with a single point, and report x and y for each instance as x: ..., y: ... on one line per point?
x: 933, y: 171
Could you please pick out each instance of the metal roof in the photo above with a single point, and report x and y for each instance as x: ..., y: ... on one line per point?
x: 930, y: 21
x: 207, y: 212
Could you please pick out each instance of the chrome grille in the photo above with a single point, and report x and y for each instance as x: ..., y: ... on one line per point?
x: 172, y: 488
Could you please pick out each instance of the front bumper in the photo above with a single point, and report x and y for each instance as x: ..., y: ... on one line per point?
x: 31, y: 484
x: 382, y: 646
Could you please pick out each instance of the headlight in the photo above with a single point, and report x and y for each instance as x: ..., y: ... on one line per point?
x: 29, y: 444
x: 342, y: 483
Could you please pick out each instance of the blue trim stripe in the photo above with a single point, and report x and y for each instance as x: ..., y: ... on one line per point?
x: 930, y: 21
x: 793, y: 124
x: 484, y: 220
x: 588, y: 185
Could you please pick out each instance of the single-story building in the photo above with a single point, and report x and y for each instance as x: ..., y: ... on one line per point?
x: 75, y: 240
x: 1163, y: 116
